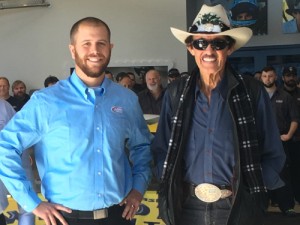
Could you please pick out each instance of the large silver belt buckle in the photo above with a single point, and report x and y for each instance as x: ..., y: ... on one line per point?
x: 100, y: 214
x: 208, y: 192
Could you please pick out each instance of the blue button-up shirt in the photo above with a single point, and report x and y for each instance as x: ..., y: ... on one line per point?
x: 209, y: 155
x: 80, y: 135
x: 212, y: 155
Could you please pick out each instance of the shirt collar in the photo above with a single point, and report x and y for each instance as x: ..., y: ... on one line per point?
x: 84, y: 90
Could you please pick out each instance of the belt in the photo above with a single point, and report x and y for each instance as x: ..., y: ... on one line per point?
x: 92, y: 215
x: 209, y: 192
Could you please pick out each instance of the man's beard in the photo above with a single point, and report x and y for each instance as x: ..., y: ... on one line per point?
x: 153, y: 87
x: 269, y: 85
x: 88, y: 71
x: 291, y: 83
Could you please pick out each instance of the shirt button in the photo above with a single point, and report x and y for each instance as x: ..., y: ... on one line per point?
x: 98, y: 128
x: 99, y: 195
x: 99, y: 173
x: 98, y: 150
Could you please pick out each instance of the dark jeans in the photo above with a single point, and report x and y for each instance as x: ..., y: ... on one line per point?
x: 294, y: 152
x: 114, y: 218
x: 284, y: 196
x: 196, y: 212
x: 2, y: 219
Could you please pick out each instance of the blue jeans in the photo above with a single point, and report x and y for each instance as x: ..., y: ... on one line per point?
x: 196, y: 212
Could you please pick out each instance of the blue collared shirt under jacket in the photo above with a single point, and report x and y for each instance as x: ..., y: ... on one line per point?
x: 209, y: 155
x: 79, y: 135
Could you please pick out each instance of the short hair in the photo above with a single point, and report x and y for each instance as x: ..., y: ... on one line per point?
x: 17, y: 82
x: 87, y: 20
x: 268, y: 68
x: 49, y: 80
x: 4, y: 78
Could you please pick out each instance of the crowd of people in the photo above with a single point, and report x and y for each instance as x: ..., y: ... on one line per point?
x: 284, y: 94
x: 150, y: 91
x: 225, y: 143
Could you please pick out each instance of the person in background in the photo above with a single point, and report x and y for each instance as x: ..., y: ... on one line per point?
x: 151, y: 98
x: 292, y: 26
x: 79, y: 129
x: 109, y: 75
x: 125, y: 81
x: 135, y: 86
x: 4, y: 93
x: 119, y: 76
x: 6, y: 113
x: 287, y: 118
x: 257, y: 75
x: 217, y: 147
x: 289, y: 77
x: 173, y: 74
x: 19, y: 91
x: 50, y: 80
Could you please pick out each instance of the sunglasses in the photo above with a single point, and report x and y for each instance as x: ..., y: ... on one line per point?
x: 216, y: 44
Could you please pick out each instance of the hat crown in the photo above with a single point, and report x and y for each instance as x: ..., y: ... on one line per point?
x: 210, y: 19
x: 290, y: 70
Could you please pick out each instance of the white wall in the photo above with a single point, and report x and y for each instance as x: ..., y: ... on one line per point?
x: 34, y: 41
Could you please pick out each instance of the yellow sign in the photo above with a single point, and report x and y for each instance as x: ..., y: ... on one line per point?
x: 146, y: 215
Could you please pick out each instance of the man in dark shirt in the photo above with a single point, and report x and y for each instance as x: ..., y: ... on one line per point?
x: 289, y: 77
x: 151, y: 98
x: 287, y: 121
x: 19, y: 90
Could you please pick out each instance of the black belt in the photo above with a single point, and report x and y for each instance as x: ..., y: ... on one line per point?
x: 92, y: 215
x: 190, y: 188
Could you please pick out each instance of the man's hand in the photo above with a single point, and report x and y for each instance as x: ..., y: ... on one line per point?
x: 50, y: 212
x: 132, y: 203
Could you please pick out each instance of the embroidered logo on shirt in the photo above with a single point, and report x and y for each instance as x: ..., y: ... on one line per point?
x: 117, y: 109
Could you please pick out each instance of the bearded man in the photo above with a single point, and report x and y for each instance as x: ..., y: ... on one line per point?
x: 151, y: 98
x: 79, y: 128
x: 289, y: 77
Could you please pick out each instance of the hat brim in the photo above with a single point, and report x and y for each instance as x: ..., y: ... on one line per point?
x: 241, y: 35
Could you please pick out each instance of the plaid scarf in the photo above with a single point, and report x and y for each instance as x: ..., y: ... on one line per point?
x: 246, y: 129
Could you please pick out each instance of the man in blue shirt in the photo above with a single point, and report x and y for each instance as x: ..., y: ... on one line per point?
x: 80, y: 128
x: 217, y: 146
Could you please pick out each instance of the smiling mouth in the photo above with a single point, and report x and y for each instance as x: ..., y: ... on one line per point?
x: 207, y: 58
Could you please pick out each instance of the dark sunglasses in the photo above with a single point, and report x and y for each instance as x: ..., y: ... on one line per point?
x: 216, y: 44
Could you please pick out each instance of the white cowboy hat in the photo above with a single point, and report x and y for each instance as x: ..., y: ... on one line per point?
x: 213, y: 21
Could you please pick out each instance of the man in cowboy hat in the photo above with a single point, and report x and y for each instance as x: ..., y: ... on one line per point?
x: 293, y: 26
x: 217, y: 148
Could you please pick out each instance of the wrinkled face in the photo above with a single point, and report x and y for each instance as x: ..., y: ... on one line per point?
x: 91, y: 50
x: 210, y: 60
x: 4, y: 88
x: 153, y: 80
x: 19, y: 90
x: 268, y: 78
x: 126, y: 82
x: 290, y: 80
